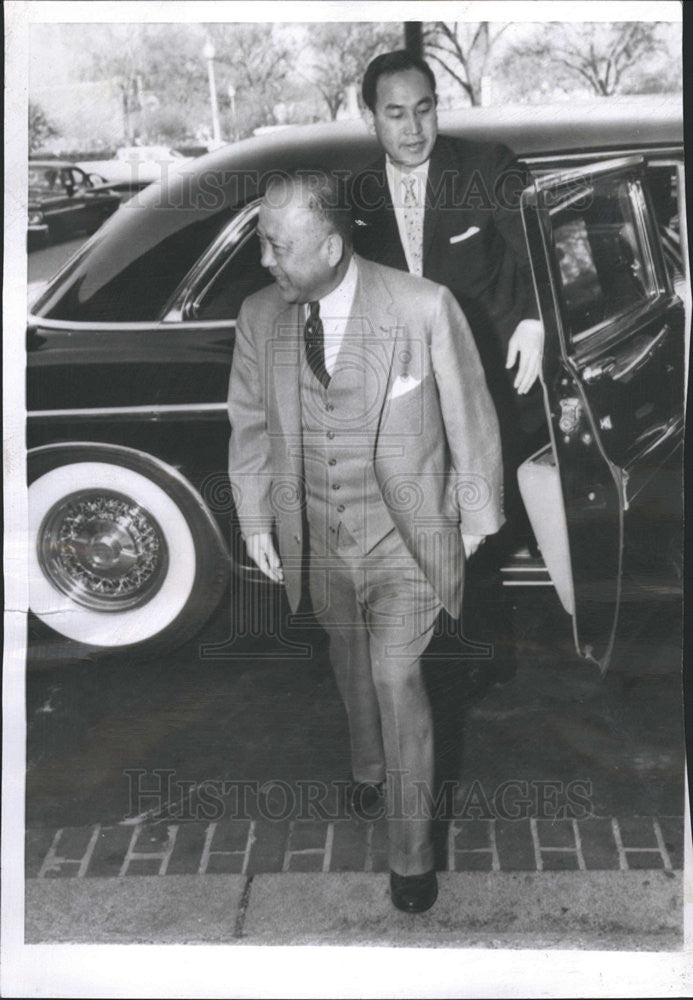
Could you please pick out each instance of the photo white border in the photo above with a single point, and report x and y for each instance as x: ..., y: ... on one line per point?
x: 219, y: 971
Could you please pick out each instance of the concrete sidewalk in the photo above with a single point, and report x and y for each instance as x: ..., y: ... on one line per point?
x: 607, y: 910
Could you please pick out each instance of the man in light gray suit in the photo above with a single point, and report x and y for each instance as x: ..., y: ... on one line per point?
x: 360, y: 414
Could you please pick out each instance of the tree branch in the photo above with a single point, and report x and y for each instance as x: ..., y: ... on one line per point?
x: 463, y: 83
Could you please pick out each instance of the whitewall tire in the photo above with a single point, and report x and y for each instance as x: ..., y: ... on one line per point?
x: 122, y: 553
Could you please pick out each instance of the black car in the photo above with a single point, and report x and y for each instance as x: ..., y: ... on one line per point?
x: 64, y: 200
x: 132, y: 521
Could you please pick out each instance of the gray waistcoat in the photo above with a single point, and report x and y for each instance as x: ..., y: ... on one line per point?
x: 339, y: 428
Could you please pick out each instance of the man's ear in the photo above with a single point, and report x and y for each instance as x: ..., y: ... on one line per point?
x: 335, y: 249
x: 369, y: 119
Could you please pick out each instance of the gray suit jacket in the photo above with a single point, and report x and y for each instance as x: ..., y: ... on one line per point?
x: 437, y: 453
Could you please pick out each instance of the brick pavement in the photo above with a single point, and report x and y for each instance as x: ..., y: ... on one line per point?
x: 257, y: 846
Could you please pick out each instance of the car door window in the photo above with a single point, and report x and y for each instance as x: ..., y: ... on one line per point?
x: 225, y: 275
x: 43, y: 179
x: 132, y: 280
x: 78, y: 179
x: 663, y: 182
x: 67, y: 182
x: 237, y: 277
x: 602, y: 255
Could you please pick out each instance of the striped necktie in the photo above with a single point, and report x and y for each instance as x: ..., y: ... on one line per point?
x: 315, y: 347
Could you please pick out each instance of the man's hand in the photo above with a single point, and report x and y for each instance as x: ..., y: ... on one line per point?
x: 471, y: 543
x: 528, y: 342
x: 263, y: 553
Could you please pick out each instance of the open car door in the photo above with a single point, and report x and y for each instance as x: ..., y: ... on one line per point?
x: 613, y: 376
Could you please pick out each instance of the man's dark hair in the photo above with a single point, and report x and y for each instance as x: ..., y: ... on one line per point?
x: 392, y: 62
x: 325, y: 196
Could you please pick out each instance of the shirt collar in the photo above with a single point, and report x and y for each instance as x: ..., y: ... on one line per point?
x: 337, y: 303
x: 395, y: 174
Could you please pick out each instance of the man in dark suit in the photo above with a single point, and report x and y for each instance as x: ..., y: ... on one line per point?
x: 448, y: 209
x: 360, y: 414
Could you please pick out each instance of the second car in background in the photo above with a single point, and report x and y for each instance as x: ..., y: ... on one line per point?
x: 64, y: 200
x: 133, y: 168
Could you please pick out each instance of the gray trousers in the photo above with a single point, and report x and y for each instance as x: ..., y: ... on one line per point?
x: 379, y: 612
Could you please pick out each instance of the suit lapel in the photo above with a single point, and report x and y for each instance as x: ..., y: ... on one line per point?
x: 284, y: 362
x: 377, y: 312
x: 379, y: 238
x: 441, y: 162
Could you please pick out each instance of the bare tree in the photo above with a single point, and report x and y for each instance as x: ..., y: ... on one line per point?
x: 119, y: 56
x: 342, y: 53
x: 259, y: 63
x: 464, y: 50
x: 160, y: 74
x: 603, y: 57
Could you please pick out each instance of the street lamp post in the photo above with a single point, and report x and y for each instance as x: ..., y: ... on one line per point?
x: 209, y: 52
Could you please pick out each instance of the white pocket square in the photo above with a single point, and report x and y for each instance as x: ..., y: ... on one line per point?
x: 403, y: 384
x: 465, y: 235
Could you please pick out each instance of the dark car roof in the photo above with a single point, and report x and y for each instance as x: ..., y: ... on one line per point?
x: 612, y: 124
x: 155, y: 233
x: 529, y: 130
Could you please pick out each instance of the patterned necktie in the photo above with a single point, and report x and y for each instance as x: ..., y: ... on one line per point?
x: 413, y: 221
x: 315, y: 346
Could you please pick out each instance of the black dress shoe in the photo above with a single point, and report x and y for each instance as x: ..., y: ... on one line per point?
x: 366, y: 800
x: 413, y: 893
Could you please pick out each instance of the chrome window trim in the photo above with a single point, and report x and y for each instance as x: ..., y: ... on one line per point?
x: 39, y: 323
x: 687, y: 303
x: 47, y: 210
x: 588, y: 173
x: 674, y: 152
x: 154, y: 410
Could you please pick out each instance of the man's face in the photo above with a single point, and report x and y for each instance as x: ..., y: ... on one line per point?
x: 294, y: 246
x: 404, y: 119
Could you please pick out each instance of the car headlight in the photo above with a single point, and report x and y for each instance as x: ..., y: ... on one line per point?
x: 35, y: 218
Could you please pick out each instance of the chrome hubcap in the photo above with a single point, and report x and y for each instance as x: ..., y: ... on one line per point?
x: 103, y: 550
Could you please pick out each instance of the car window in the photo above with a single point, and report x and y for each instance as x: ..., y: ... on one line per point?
x: 78, y: 178
x: 602, y: 256
x: 662, y: 184
x: 46, y: 179
x: 225, y: 275
x: 232, y: 276
x: 132, y: 276
x: 69, y: 180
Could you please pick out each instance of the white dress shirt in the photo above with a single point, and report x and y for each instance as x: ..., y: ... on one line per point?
x: 335, y: 309
x: 395, y: 182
